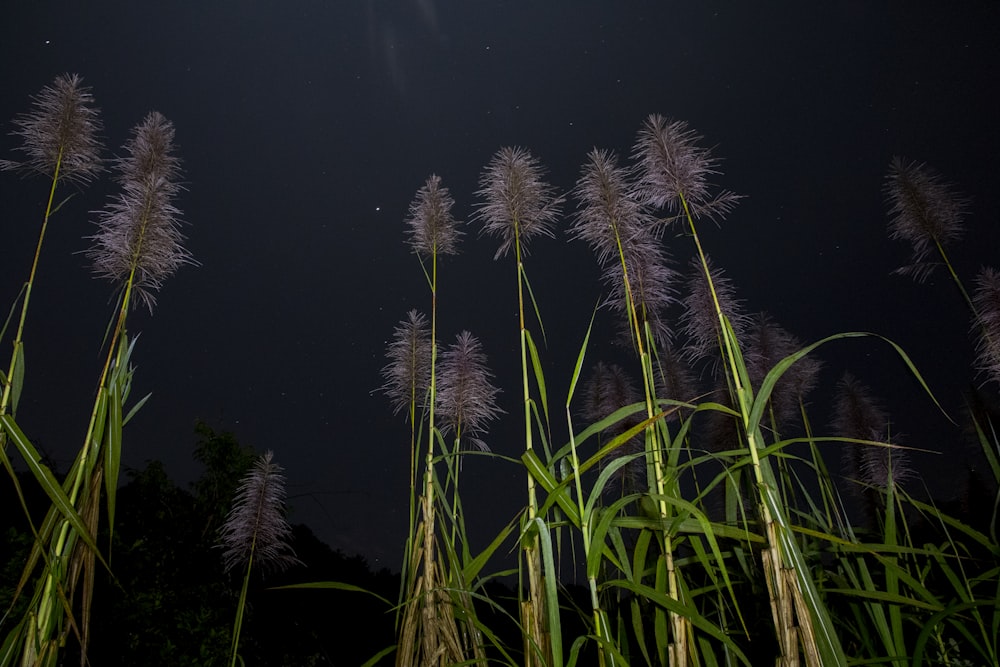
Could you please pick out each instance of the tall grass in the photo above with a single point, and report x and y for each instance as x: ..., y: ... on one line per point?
x: 712, y: 528
x: 137, y: 245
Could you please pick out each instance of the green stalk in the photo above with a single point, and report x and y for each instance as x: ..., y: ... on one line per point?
x: 241, y: 607
x: 430, y: 592
x: 66, y: 539
x: 600, y: 629
x: 17, y: 356
x: 411, y: 532
x: 789, y: 585
x: 47, y: 613
x: 533, y: 614
x: 678, y: 624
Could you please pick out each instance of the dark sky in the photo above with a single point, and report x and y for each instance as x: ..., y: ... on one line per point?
x: 306, y: 128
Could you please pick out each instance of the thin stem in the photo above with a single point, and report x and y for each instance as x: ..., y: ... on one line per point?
x: 18, y: 337
x: 430, y: 592
x: 241, y: 608
x: 654, y: 453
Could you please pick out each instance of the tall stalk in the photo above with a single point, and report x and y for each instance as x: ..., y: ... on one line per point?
x: 517, y: 204
x: 138, y: 246
x: 428, y: 626
x: 60, y: 140
x: 618, y: 229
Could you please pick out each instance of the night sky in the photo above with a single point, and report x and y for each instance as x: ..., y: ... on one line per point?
x: 306, y: 127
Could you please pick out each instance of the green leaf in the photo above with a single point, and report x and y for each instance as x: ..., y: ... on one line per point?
x: 135, y: 408
x: 374, y: 660
x: 536, y: 365
x: 557, y: 490
x: 47, y: 481
x: 663, y: 600
x: 579, y: 360
x: 113, y: 448
x: 472, y: 569
x: 551, y: 594
x: 332, y: 585
x: 17, y: 381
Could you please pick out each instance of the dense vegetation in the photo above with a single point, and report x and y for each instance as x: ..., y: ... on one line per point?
x: 167, y: 599
x: 677, y: 467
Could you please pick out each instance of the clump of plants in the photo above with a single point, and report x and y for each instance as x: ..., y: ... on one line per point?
x: 689, y: 472
x: 136, y: 244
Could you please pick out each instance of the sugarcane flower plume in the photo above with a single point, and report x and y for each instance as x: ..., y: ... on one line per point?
x: 60, y: 133
x: 885, y: 464
x: 650, y: 284
x: 407, y: 375
x: 857, y: 414
x: 672, y: 167
x: 431, y: 227
x: 924, y: 211
x: 767, y: 344
x: 624, y: 239
x: 608, y: 389
x: 517, y: 204
x: 674, y: 380
x: 466, y: 395
x: 608, y: 215
x: 255, y: 531
x: 138, y: 236
x: 700, y: 320
x: 986, y: 300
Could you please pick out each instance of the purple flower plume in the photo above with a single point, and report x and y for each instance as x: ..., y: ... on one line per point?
x: 701, y: 322
x: 138, y: 234
x: 408, y: 373
x: 432, y: 229
x: 673, y: 166
x: 622, y: 235
x: 466, y: 396
x: 61, y: 130
x: 986, y: 299
x: 923, y: 211
x: 255, y: 531
x: 517, y: 204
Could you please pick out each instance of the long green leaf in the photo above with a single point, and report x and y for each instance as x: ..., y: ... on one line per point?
x: 687, y: 611
x: 536, y: 365
x: 772, y: 377
x: 48, y: 482
x: 551, y: 593
x: 331, y: 585
x: 17, y: 382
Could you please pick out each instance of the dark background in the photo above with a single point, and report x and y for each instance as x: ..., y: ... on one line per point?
x: 306, y: 128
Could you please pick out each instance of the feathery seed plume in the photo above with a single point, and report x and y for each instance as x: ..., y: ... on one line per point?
x: 408, y: 373
x: 881, y: 466
x: 517, y: 203
x: 138, y: 235
x: 466, y: 396
x: 701, y: 322
x: 432, y: 229
x: 986, y: 299
x: 608, y: 389
x: 256, y: 531
x: 857, y: 415
x: 674, y: 380
x: 673, y: 166
x: 622, y: 235
x: 60, y: 132
x: 769, y: 343
x: 924, y: 210
x: 608, y: 212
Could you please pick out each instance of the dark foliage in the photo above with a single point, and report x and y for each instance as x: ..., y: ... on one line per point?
x: 169, y: 600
